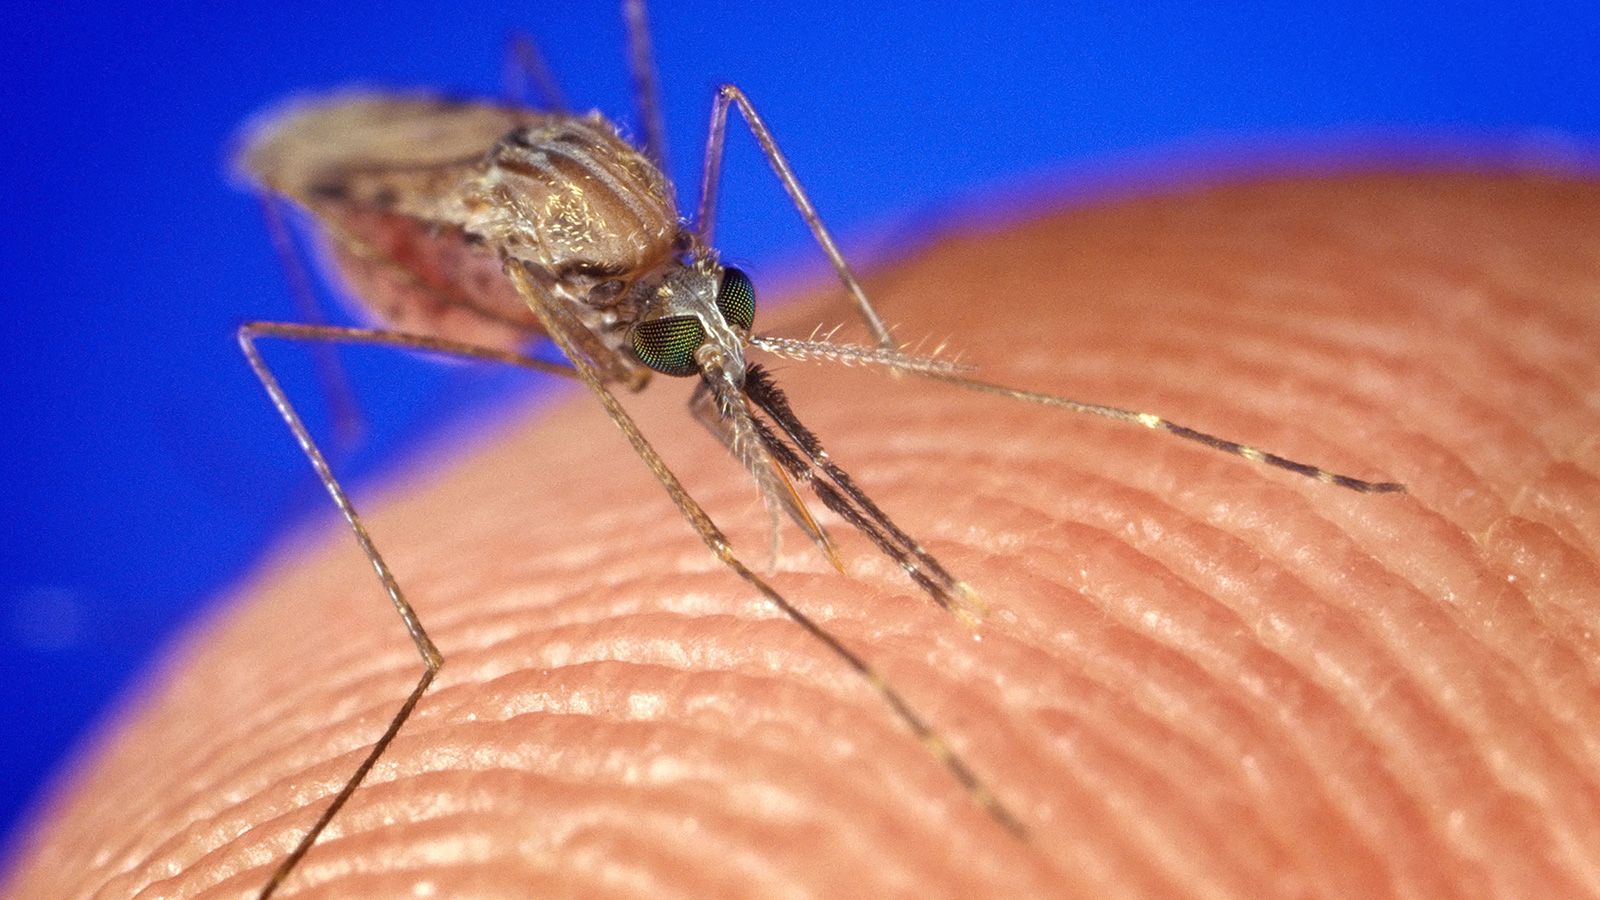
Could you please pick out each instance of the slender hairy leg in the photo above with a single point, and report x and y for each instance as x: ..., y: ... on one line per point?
x: 939, y: 370
x: 711, y: 176
x: 730, y: 95
x: 714, y: 539
x: 432, y: 659
x: 1151, y: 420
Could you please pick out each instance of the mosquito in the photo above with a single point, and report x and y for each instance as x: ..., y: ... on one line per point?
x: 473, y: 228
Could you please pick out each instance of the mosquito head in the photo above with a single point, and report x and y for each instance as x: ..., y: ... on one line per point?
x: 700, y: 314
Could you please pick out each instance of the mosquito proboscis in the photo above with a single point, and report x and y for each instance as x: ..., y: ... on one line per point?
x: 470, y: 228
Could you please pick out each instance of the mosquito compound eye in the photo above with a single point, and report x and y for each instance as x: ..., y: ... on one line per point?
x: 737, y: 298
x: 668, y: 344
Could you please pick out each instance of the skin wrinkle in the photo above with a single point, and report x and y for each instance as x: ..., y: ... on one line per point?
x: 1279, y: 737
x: 725, y: 755
x: 1168, y: 713
x: 1196, y: 675
x: 1181, y: 353
x: 1319, y: 392
x: 1571, y: 510
x: 1167, y: 758
x: 1420, y: 708
x: 1194, y: 652
x: 1100, y: 538
x: 1558, y: 671
x: 1513, y: 377
x: 1134, y: 800
x: 344, y: 722
x: 400, y: 856
x: 339, y: 716
x: 1534, y: 552
x: 1558, y: 402
x: 1492, y: 639
x: 204, y: 800
x: 624, y: 596
x: 1183, y: 555
x: 1435, y: 673
x: 359, y: 827
x: 487, y: 764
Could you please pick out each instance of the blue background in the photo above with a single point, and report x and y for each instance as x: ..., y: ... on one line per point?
x: 142, y: 468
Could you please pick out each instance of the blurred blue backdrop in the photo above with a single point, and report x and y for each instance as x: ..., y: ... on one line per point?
x: 144, y: 471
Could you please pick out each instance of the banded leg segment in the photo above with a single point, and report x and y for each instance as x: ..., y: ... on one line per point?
x: 1153, y: 421
x: 951, y: 372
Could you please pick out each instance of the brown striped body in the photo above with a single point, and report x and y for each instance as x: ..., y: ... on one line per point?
x: 422, y: 200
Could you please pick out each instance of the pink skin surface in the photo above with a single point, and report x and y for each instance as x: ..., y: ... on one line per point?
x: 1197, y: 676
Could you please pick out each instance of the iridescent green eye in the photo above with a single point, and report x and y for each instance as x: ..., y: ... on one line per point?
x: 668, y: 344
x: 737, y: 298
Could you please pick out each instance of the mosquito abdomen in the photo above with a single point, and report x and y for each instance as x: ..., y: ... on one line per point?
x: 421, y: 278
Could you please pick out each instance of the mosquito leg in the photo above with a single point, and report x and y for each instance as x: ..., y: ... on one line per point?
x: 526, y: 77
x: 714, y: 539
x: 432, y: 660
x: 860, y: 355
x: 348, y: 427
x: 711, y: 175
x: 730, y: 95
x: 1151, y: 420
x: 705, y: 216
x: 404, y: 340
x: 954, y: 373
x: 646, y: 86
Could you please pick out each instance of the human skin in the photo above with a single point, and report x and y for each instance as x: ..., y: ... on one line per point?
x: 1197, y: 676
